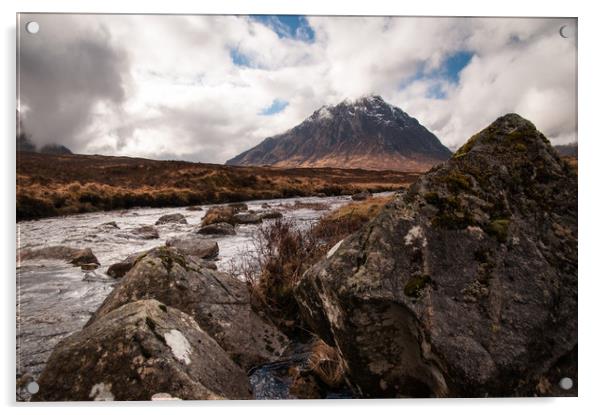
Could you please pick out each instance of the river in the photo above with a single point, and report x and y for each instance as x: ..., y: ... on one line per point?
x: 55, y: 299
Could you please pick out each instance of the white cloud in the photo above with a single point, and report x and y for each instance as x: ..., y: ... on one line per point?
x: 180, y: 95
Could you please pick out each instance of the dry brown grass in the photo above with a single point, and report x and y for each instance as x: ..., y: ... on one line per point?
x: 326, y: 363
x: 363, y: 210
x: 50, y: 185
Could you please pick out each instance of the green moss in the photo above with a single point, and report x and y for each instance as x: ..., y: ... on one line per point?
x: 520, y: 147
x: 415, y: 285
x: 168, y: 257
x: 453, y: 220
x: 499, y: 229
x: 457, y: 181
x: 462, y: 151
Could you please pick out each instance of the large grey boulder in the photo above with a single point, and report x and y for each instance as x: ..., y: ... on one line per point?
x: 219, y: 303
x: 464, y: 286
x: 139, y: 350
x: 119, y: 269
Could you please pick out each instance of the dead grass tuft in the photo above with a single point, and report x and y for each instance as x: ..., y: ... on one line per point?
x: 327, y: 364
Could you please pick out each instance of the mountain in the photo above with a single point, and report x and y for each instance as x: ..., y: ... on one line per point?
x: 24, y: 142
x: 366, y: 133
x: 55, y: 149
x: 466, y: 284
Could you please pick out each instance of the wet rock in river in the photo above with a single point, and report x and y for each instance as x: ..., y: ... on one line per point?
x: 220, y: 228
x: 464, y: 286
x: 270, y: 214
x: 219, y: 303
x: 246, y: 218
x: 119, y: 269
x: 109, y: 225
x: 361, y: 196
x: 89, y: 267
x: 139, y: 350
x: 146, y: 232
x: 195, y: 246
x: 219, y: 214
x: 84, y: 257
x: 195, y: 208
x: 74, y: 256
x: 239, y: 206
x: 172, y: 218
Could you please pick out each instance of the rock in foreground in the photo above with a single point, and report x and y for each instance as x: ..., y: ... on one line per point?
x: 137, y: 351
x: 464, y: 286
x: 219, y: 303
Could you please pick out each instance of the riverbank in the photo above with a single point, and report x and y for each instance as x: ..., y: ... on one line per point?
x: 54, y: 185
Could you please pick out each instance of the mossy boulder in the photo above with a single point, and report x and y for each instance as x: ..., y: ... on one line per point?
x: 464, y: 286
x: 136, y: 351
x: 219, y: 303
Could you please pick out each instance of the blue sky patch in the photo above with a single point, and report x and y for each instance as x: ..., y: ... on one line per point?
x: 453, y: 65
x: 436, y: 92
x: 448, y: 71
x: 278, y: 105
x: 288, y: 26
x: 240, y: 58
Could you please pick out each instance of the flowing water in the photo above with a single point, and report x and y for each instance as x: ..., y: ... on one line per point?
x: 55, y: 299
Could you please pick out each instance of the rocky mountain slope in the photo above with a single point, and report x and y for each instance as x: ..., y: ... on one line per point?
x: 466, y: 285
x: 367, y: 133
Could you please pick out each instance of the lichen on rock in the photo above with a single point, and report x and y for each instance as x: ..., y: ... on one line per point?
x: 466, y: 285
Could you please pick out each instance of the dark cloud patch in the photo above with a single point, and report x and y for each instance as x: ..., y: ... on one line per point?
x: 65, y: 71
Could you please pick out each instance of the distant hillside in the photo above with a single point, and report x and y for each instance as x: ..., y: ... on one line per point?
x: 367, y: 133
x: 567, y: 150
x: 50, y: 185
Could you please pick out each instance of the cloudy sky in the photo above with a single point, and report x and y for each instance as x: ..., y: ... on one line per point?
x: 205, y: 88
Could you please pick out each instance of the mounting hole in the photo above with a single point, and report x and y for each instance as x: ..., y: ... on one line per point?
x: 33, y: 387
x: 566, y: 383
x: 32, y: 27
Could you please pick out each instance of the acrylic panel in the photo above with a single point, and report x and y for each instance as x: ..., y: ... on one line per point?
x: 295, y: 207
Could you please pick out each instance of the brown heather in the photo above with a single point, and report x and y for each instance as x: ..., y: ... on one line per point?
x: 283, y: 252
x: 52, y: 185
